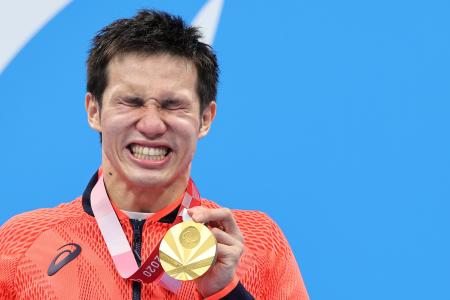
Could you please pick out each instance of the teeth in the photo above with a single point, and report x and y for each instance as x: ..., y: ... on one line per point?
x: 150, y: 153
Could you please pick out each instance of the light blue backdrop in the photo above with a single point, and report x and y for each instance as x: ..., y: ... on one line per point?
x: 333, y: 118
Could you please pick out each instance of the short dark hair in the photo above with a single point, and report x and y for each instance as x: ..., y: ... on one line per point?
x: 152, y: 32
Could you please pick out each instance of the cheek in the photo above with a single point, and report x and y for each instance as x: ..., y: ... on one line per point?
x: 189, y: 131
x: 113, y: 134
x: 114, y: 123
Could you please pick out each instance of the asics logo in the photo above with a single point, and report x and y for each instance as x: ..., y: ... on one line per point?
x: 69, y: 254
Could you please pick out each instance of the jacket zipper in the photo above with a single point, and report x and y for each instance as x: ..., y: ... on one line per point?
x: 137, y: 246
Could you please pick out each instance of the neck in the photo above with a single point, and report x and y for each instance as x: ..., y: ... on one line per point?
x: 142, y: 199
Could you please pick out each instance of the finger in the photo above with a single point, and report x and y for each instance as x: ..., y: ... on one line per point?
x: 225, y: 238
x: 223, y: 216
x: 228, y: 254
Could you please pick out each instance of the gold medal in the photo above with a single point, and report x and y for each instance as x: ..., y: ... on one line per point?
x: 187, y: 250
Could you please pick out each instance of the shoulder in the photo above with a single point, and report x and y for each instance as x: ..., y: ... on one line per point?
x: 259, y: 230
x: 19, y: 232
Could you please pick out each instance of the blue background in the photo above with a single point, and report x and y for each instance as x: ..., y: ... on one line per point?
x: 333, y: 117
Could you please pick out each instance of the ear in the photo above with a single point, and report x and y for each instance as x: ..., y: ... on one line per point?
x: 93, y: 112
x: 208, y: 115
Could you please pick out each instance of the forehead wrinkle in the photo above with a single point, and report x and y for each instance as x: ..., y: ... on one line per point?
x: 154, y: 82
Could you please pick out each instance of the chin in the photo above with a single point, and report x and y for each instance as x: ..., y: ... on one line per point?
x: 142, y: 180
x: 146, y: 182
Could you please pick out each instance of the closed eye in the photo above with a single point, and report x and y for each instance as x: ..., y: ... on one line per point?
x: 132, y: 101
x: 172, y: 104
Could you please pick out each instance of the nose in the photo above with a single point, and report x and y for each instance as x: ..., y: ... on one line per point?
x: 151, y: 123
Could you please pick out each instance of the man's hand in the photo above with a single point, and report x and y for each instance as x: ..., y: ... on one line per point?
x: 229, y: 247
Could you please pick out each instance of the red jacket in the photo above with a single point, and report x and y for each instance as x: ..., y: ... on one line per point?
x: 30, y: 242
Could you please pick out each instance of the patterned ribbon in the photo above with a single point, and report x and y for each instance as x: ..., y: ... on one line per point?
x: 118, y: 245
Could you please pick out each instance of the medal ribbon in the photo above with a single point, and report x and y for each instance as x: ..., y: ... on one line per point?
x: 117, y: 242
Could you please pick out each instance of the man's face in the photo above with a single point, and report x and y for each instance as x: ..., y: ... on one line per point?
x: 150, y: 119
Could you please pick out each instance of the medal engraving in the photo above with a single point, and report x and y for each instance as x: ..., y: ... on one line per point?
x: 187, y: 250
x: 190, y: 237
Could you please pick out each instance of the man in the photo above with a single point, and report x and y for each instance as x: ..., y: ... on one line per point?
x: 151, y: 95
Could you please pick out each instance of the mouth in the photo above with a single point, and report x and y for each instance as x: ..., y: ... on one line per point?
x: 158, y: 153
